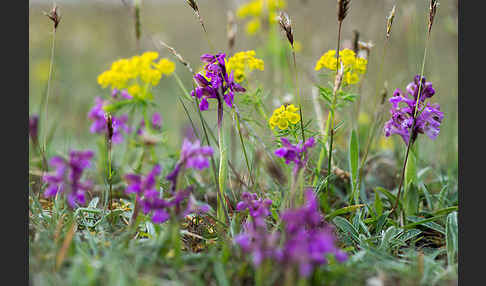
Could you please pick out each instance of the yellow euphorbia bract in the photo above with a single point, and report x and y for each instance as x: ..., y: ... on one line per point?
x: 242, y: 63
x: 284, y: 116
x: 136, y: 74
x: 353, y: 66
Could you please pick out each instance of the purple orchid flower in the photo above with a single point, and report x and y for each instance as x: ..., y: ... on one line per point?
x: 151, y: 200
x: 193, y: 155
x: 429, y: 116
x: 295, y: 153
x: 99, y: 125
x: 216, y: 82
x: 67, y: 176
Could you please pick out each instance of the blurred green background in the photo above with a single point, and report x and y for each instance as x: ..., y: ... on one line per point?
x: 92, y: 34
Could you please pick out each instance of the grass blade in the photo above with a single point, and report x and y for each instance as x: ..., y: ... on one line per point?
x: 451, y: 237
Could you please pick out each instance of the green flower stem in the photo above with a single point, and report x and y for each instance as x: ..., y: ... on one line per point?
x: 223, y: 166
x: 175, y: 238
x: 146, y: 119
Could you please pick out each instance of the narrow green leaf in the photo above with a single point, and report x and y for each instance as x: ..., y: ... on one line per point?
x: 378, y: 205
x: 353, y: 157
x: 381, y: 222
x: 451, y: 237
x: 411, y: 170
x: 344, y: 210
x: 445, y: 211
x: 93, y: 203
x: 409, y: 234
x: 426, y: 222
x: 411, y: 199
x: 391, y: 233
x: 391, y: 197
x: 345, y: 226
x: 220, y: 274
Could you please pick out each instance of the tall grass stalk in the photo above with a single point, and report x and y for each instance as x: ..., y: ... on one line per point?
x: 49, y: 82
x: 410, y: 141
x: 432, y: 11
x: 334, y: 97
x: 108, y: 147
x: 298, y: 95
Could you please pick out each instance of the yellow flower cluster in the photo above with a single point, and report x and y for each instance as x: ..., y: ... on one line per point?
x: 353, y: 65
x: 284, y: 116
x: 243, y: 62
x: 133, y: 72
x: 257, y: 9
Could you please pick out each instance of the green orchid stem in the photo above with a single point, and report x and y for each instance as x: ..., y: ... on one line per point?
x: 236, y: 117
x: 175, y: 238
x: 148, y: 125
x: 222, y: 212
x: 410, y: 141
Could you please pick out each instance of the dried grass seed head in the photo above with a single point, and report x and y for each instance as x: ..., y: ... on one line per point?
x: 389, y: 21
x: 342, y: 9
x: 109, y: 126
x: 432, y: 11
x: 54, y: 16
x: 286, y: 25
x: 193, y: 5
x: 177, y: 55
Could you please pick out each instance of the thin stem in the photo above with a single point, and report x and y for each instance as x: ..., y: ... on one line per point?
x: 243, y: 146
x: 298, y: 96
x: 51, y: 63
x: 402, y: 177
x: 110, y: 178
x: 333, y: 106
x: 183, y: 105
